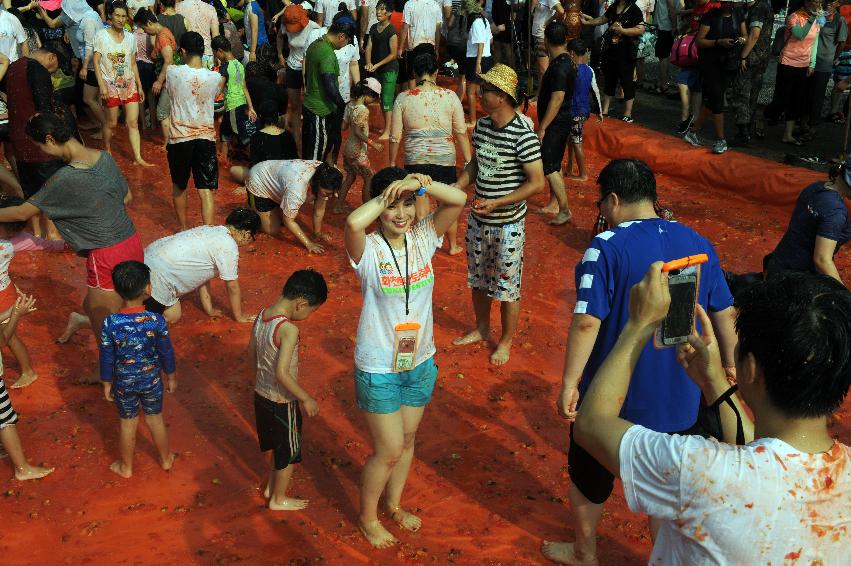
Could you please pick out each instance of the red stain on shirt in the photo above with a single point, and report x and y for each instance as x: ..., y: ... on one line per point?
x: 414, y: 92
x: 760, y: 449
x: 794, y: 555
x: 780, y: 461
x: 700, y: 534
x: 749, y: 505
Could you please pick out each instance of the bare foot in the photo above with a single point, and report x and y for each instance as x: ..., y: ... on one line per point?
x: 377, y: 535
x: 288, y: 504
x: 26, y: 379
x: 118, y: 468
x: 405, y: 519
x: 561, y: 218
x: 76, y: 321
x: 469, y: 338
x: 500, y: 355
x: 169, y: 461
x: 564, y: 553
x: 582, y: 178
x: 455, y: 250
x: 549, y: 209
x: 384, y: 136
x: 32, y: 473
x: 143, y: 163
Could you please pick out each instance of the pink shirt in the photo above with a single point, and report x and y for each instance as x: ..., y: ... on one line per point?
x: 798, y: 52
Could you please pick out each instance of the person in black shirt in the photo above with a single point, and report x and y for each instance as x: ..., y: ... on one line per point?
x: 620, y: 51
x: 503, y: 51
x: 554, y: 100
x: 270, y: 142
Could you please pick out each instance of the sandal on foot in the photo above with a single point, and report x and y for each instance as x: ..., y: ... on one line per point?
x: 628, y: 119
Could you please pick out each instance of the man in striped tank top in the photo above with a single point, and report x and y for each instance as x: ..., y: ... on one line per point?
x: 273, y: 349
x: 507, y: 169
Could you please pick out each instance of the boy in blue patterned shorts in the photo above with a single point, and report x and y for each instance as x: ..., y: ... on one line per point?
x: 134, y: 349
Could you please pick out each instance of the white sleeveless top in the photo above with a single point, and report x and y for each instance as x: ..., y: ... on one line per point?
x: 266, y: 384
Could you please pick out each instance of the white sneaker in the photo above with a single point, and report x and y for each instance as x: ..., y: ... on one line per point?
x: 693, y: 139
x: 719, y: 147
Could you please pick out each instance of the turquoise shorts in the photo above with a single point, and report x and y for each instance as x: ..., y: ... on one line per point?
x: 385, y: 393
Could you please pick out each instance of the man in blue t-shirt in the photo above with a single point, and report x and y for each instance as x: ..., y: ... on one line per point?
x: 661, y: 397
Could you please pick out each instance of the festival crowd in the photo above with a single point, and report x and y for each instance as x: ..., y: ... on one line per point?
x: 717, y: 434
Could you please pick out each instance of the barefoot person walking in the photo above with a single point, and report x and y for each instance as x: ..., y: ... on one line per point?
x: 394, y: 353
x: 508, y: 170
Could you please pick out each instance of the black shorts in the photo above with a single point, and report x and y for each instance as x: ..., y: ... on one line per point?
x: 470, y: 69
x: 261, y: 204
x: 153, y: 305
x: 664, y: 43
x: 318, y: 134
x: 445, y: 174
x: 197, y: 157
x: 237, y: 126
x: 146, y: 75
x: 92, y: 78
x: 293, y: 78
x: 552, y: 147
x: 279, y: 430
x: 33, y: 174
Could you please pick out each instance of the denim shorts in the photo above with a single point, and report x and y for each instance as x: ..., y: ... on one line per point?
x: 385, y: 393
x: 690, y: 77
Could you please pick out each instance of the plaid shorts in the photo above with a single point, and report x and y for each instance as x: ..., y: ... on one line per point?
x: 495, y: 258
x: 576, y: 129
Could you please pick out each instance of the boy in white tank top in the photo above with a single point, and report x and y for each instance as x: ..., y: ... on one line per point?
x: 274, y: 351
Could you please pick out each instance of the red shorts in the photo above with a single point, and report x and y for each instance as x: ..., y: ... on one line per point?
x: 100, y: 262
x: 116, y: 102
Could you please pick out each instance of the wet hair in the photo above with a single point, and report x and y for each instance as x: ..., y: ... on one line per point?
x: 130, y: 279
x: 388, y: 5
x: 555, y: 33
x: 168, y: 3
x: 192, y: 43
x: 797, y: 326
x: 222, y: 43
x: 144, y: 16
x: 424, y: 63
x: 268, y: 113
x: 7, y: 201
x: 326, y: 177
x: 577, y: 46
x: 342, y: 12
x: 44, y: 124
x: 630, y: 179
x: 111, y: 7
x: 382, y: 179
x: 362, y: 89
x: 306, y: 284
x: 243, y: 218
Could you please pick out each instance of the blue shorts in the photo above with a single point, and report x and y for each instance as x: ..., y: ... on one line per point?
x: 385, y: 393
x: 690, y: 77
x: 130, y: 394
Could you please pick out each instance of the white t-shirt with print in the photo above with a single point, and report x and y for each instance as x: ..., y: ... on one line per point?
x: 371, y: 18
x: 383, y: 291
x: 193, y: 93
x: 480, y: 32
x: 11, y: 35
x: 763, y: 503
x: 183, y: 262
x: 422, y: 17
x: 544, y: 12
x: 116, y: 63
x: 285, y: 181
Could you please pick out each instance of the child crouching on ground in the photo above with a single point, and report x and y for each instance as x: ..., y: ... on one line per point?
x: 8, y: 417
x: 273, y: 349
x: 580, y: 108
x: 134, y: 349
x: 355, y: 158
x: 9, y: 293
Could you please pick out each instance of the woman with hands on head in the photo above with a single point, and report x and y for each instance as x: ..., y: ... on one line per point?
x: 395, y: 371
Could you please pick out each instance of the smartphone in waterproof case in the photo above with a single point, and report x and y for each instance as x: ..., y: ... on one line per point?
x: 680, y: 321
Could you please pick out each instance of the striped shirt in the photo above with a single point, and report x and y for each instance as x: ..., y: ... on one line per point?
x: 501, y: 154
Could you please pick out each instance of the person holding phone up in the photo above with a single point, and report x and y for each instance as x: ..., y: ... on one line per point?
x: 661, y: 397
x: 720, y: 38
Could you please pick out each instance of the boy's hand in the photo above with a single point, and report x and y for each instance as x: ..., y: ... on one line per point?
x: 107, y: 391
x: 314, y: 248
x: 311, y: 407
x: 24, y: 304
x: 700, y: 357
x: 171, y: 383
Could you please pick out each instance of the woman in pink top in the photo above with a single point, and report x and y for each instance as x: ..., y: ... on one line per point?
x: 797, y: 62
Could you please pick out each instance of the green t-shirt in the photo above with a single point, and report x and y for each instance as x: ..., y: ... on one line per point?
x: 234, y: 74
x: 319, y: 60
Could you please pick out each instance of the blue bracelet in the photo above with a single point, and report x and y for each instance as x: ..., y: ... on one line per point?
x: 420, y: 192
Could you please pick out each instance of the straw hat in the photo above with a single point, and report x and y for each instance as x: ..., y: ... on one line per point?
x: 502, y: 77
x: 473, y: 7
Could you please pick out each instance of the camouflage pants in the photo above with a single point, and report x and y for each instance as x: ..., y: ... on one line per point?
x: 745, y: 91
